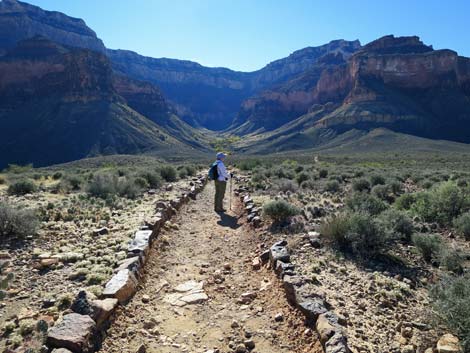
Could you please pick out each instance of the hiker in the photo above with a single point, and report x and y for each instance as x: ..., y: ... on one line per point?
x: 219, y: 174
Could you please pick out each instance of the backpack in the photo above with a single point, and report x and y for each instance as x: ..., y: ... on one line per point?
x: 213, y: 171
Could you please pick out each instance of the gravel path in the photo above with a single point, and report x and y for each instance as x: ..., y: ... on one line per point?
x: 200, y: 293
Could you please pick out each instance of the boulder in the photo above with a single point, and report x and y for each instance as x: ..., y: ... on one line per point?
x: 312, y: 308
x: 102, y: 310
x: 337, y: 344
x: 279, y: 252
x: 327, y: 326
x: 74, y: 332
x: 283, y: 268
x: 140, y: 244
x: 132, y: 264
x: 122, y: 286
x: 448, y: 344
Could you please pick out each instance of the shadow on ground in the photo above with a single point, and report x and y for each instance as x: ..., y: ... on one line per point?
x: 228, y: 221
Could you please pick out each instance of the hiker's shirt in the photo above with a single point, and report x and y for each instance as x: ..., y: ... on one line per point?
x: 222, y: 171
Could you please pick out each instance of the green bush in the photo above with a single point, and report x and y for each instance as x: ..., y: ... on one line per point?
x: 141, y: 183
x: 22, y: 187
x: 462, y: 225
x: 154, y: 179
x: 356, y: 232
x: 286, y: 185
x: 332, y: 186
x: 396, y: 187
x: 323, y: 173
x: 429, y: 245
x: 280, y: 211
x: 360, y: 185
x: 442, y: 204
x: 168, y: 173
x: 106, y: 185
x: 398, y: 223
x: 451, y: 300
x: 74, y: 181
x: 182, y: 173
x: 301, y: 177
x: 405, y: 201
x: 2, y: 180
x: 17, y: 222
x: 57, y: 175
x: 377, y: 180
x: 191, y: 170
x: 382, y: 192
x: 249, y: 164
x: 452, y: 260
x: 361, y: 202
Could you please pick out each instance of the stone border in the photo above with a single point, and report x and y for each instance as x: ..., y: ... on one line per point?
x: 300, y: 291
x: 84, y: 329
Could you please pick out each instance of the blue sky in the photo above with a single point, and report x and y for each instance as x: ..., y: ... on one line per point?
x: 247, y: 34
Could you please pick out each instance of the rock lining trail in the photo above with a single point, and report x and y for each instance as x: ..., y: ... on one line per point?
x: 201, y: 294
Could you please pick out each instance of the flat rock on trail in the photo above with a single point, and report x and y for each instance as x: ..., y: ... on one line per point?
x: 200, y: 293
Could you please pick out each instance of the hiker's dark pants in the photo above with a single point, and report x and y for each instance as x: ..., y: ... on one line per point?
x: 220, y: 187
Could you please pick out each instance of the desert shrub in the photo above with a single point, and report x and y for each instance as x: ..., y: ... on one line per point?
x: 128, y: 188
x: 462, y: 225
x: 22, y: 187
x: 426, y: 184
x: 429, y: 245
x: 449, y: 201
x: 258, y: 177
x: 154, y: 179
x: 382, y: 192
x: 462, y: 183
x: 308, y: 184
x: 103, y: 185
x: 17, y: 222
x: 106, y: 185
x: 336, y: 229
x: 442, y: 204
x: 18, y: 169
x: 191, y: 170
x: 74, y: 181
x: 332, y: 186
x: 405, y: 201
x: 279, y: 210
x: 57, y: 175
x: 451, y: 300
x: 361, y: 202
x: 452, y: 260
x: 141, y: 182
x: 377, y: 180
x: 356, y: 232
x: 168, y: 173
x: 286, y: 185
x: 2, y: 180
x: 249, y: 164
x: 299, y: 168
x: 301, y: 177
x: 398, y: 223
x: 323, y: 173
x: 283, y: 172
x: 182, y: 173
x: 360, y: 185
x: 396, y: 187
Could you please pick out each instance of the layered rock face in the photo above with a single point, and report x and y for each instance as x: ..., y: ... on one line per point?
x: 398, y: 83
x: 19, y: 21
x: 60, y: 104
x: 211, y: 97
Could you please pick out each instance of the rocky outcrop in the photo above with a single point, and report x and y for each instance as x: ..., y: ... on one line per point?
x: 394, y: 82
x: 219, y: 91
x: 20, y: 21
x: 61, y: 104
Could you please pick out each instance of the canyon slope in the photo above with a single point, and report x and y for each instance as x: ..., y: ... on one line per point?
x: 60, y: 104
x: 396, y: 83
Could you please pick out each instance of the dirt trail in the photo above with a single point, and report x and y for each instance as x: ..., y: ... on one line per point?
x: 216, y: 250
